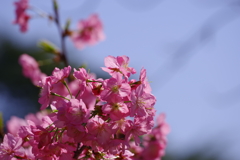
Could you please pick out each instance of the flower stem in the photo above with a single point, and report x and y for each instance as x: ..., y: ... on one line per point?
x: 55, y: 94
x: 65, y: 84
x: 61, y: 32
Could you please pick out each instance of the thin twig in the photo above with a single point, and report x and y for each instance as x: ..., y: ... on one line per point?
x: 61, y: 32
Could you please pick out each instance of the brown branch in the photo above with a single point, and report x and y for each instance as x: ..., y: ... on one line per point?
x: 78, y: 151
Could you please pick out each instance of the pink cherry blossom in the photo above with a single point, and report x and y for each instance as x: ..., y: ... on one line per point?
x: 72, y: 112
x: 118, y: 64
x: 142, y: 102
x: 144, y: 81
x: 83, y: 77
x: 88, y: 98
x: 122, y: 125
x: 116, y: 109
x: 99, y: 128
x: 53, y: 85
x: 60, y: 74
x: 95, y: 117
x: 11, y: 147
x: 21, y: 16
x: 115, y: 86
x: 27, y: 135
x: 14, y: 124
x: 90, y: 31
x: 85, y: 87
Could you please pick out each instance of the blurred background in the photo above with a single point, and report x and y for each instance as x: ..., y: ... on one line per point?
x: 191, y: 50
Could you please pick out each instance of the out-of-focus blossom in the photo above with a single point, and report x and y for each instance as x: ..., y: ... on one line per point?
x: 31, y: 69
x: 15, y: 123
x: 89, y: 32
x: 21, y: 16
x: 155, y: 143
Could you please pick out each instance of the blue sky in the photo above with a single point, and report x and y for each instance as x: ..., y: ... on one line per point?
x: 189, y: 48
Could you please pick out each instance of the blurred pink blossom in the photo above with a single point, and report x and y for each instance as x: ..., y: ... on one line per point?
x: 21, y: 16
x: 30, y: 68
x: 89, y: 32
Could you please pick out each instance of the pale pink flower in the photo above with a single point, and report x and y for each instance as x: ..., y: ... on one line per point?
x: 100, y: 129
x: 116, y: 109
x: 118, y: 64
x: 84, y: 77
x: 115, y: 86
x: 72, y: 112
x: 144, y: 81
x: 90, y: 31
x: 142, y: 102
x: 21, y: 16
x: 88, y: 98
x: 85, y: 87
x: 51, y: 85
x: 60, y: 74
x: 27, y: 135
x: 11, y: 147
x: 14, y: 124
x: 122, y: 125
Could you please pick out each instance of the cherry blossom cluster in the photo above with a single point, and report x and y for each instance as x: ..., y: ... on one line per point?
x: 90, y: 118
x: 82, y: 116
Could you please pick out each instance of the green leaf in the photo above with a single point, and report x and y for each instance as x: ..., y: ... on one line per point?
x: 48, y: 47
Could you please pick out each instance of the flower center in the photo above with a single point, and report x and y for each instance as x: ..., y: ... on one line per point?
x: 115, y: 89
